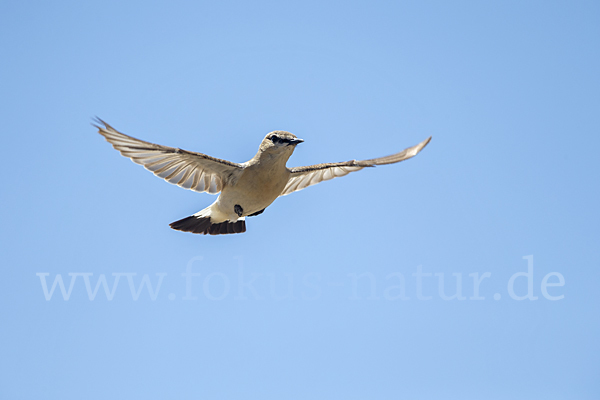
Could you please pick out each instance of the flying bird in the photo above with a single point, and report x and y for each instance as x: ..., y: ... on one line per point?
x: 247, y: 188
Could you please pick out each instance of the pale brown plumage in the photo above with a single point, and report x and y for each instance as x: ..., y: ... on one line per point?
x: 190, y: 170
x: 303, y: 177
x: 247, y: 188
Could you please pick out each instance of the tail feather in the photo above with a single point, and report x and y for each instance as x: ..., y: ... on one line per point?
x: 204, y: 226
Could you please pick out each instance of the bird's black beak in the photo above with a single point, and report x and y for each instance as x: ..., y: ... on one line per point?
x: 296, y: 141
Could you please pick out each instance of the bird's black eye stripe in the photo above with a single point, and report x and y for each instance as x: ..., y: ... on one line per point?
x: 277, y: 139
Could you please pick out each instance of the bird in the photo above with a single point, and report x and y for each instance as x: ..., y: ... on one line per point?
x: 246, y: 189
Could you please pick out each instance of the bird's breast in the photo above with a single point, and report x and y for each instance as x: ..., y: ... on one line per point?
x: 257, y: 188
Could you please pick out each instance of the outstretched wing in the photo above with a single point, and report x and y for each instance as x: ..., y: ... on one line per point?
x: 190, y: 170
x: 302, y: 177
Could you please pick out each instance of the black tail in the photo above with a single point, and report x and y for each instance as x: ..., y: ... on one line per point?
x: 203, y: 226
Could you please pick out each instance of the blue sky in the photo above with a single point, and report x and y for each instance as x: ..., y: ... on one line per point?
x: 320, y: 298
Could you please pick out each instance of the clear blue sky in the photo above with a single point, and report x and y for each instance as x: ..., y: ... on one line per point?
x: 510, y: 92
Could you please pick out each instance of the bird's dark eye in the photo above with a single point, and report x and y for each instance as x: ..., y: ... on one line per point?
x: 275, y: 139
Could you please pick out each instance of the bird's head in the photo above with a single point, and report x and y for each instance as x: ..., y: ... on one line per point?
x: 279, y: 143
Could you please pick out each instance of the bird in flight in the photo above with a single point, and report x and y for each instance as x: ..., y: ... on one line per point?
x: 247, y: 188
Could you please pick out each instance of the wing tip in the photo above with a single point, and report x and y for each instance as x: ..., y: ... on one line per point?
x: 426, y: 141
x: 417, y: 149
x: 97, y: 121
x: 102, y: 126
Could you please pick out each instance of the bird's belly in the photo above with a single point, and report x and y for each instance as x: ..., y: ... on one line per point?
x: 248, y: 202
x: 251, y: 195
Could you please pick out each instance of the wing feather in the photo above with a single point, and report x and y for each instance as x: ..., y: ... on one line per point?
x: 302, y: 177
x: 187, y: 169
